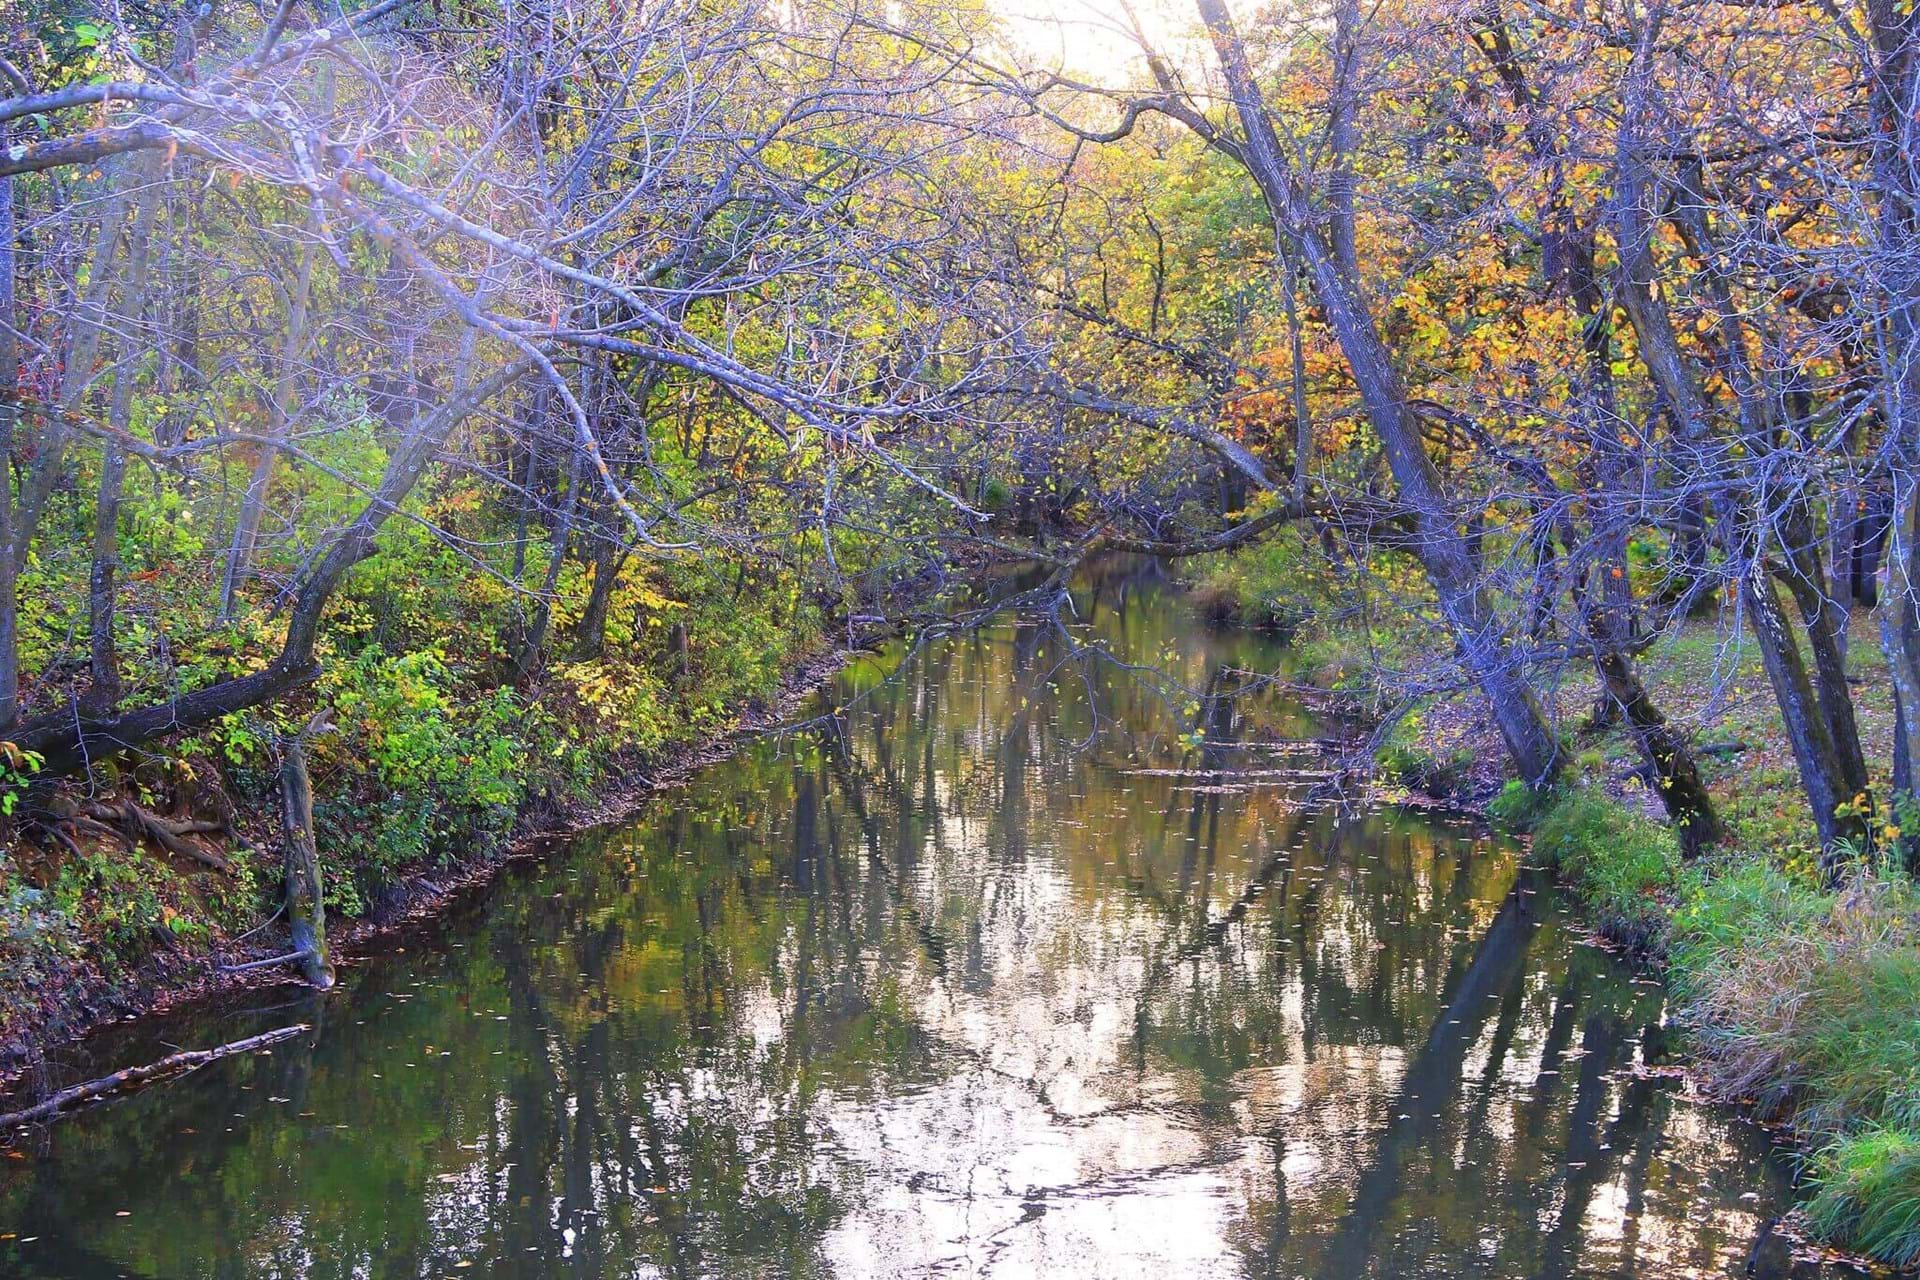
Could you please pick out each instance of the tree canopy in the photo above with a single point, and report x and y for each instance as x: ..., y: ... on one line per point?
x: 502, y: 339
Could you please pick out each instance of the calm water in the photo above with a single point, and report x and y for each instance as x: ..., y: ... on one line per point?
x: 999, y: 975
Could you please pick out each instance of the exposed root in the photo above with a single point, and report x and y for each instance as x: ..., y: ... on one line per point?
x: 165, y: 832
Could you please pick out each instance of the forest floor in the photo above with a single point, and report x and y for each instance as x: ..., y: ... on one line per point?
x: 1801, y: 996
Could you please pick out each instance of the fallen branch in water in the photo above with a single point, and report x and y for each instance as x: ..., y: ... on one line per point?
x: 292, y: 957
x: 172, y: 1064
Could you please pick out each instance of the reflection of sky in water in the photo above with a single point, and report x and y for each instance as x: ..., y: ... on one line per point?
x: 949, y: 991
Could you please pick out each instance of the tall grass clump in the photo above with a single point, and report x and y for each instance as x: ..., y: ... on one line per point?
x: 1867, y: 1194
x: 1809, y: 1004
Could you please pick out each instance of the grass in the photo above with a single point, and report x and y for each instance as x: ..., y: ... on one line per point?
x: 1802, y: 995
x: 1868, y: 1194
x: 1802, y: 1000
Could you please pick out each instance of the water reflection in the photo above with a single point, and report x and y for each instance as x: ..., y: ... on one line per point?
x: 1023, y: 966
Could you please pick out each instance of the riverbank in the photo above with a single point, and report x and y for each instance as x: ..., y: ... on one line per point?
x: 1003, y: 913
x: 438, y: 781
x: 1799, y: 997
x: 87, y: 999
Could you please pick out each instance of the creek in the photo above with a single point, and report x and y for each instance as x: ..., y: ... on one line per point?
x: 1044, y: 951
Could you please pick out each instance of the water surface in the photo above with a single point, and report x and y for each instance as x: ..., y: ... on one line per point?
x: 1032, y: 962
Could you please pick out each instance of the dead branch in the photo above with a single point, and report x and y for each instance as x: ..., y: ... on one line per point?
x: 129, y: 1077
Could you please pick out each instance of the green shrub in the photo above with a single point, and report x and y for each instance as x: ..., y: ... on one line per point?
x: 435, y: 769
x: 36, y: 942
x: 1417, y: 753
x: 1279, y: 582
x: 122, y: 902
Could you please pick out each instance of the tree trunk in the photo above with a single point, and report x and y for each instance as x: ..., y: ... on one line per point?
x: 103, y: 660
x: 1900, y: 624
x: 1869, y: 543
x: 1896, y: 96
x: 1676, y: 776
x: 1821, y: 614
x: 1343, y: 107
x: 1846, y: 522
x: 83, y: 349
x: 1821, y: 772
x: 9, y: 416
x: 1297, y: 373
x: 103, y: 657
x: 129, y: 1077
x: 535, y: 638
x: 1441, y: 548
x: 680, y: 646
x: 590, y: 639
x: 246, y: 526
x: 300, y: 862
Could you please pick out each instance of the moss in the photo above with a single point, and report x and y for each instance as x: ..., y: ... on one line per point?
x: 1520, y: 807
x: 1622, y: 864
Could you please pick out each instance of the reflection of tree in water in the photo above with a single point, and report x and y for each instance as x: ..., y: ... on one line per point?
x: 1022, y: 894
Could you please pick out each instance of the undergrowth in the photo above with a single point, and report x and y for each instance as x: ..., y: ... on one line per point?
x: 437, y: 751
